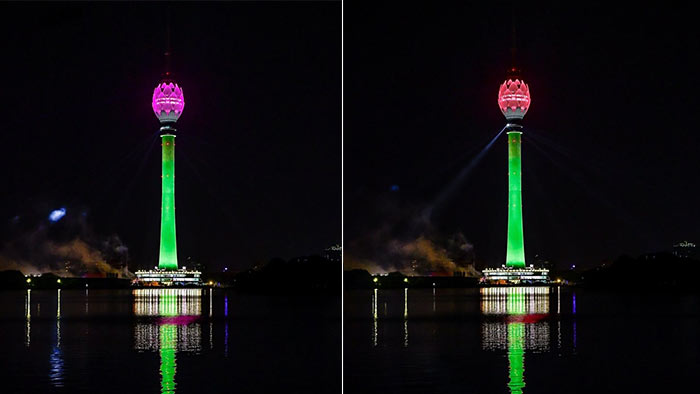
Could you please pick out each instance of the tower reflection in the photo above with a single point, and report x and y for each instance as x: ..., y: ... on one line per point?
x: 520, y: 326
x: 173, y: 327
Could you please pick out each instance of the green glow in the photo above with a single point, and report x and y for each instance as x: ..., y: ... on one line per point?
x: 516, y: 357
x: 515, y: 252
x: 167, y: 303
x: 168, y: 244
x: 168, y: 338
x: 167, y: 306
x: 516, y: 348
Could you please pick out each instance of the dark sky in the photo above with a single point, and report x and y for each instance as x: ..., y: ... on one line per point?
x: 258, y: 149
x: 610, y: 151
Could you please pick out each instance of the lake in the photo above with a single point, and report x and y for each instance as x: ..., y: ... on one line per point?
x: 520, y: 339
x: 168, y: 341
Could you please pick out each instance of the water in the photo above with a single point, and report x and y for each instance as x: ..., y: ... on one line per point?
x: 520, y: 340
x: 167, y: 341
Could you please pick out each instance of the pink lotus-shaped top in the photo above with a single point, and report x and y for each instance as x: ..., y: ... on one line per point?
x: 168, y: 101
x: 514, y: 98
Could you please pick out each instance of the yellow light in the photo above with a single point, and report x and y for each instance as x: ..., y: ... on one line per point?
x: 375, y: 280
x: 29, y: 280
x: 211, y: 283
x: 405, y: 280
x: 58, y: 281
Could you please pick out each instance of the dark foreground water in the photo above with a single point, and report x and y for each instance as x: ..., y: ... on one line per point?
x: 167, y: 341
x: 514, y: 340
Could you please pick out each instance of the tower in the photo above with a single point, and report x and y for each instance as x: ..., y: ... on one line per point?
x: 514, y: 101
x: 168, y: 103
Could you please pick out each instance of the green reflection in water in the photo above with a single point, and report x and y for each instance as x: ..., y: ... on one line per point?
x: 168, y: 343
x: 516, y: 336
x: 167, y: 306
x: 516, y: 357
x: 167, y: 303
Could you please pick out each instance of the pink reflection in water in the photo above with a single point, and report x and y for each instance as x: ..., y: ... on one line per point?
x: 178, y: 320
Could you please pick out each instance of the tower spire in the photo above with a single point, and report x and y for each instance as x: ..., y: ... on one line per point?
x: 168, y: 50
x: 514, y: 42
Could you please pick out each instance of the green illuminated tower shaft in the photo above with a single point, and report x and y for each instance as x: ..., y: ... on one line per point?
x: 515, y: 252
x: 168, y: 242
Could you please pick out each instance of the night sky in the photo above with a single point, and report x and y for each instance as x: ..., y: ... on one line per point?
x: 258, y: 158
x: 610, y: 150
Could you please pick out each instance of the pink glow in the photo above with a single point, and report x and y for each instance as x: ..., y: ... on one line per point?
x: 531, y: 318
x: 179, y: 320
x: 514, y: 98
x: 168, y: 101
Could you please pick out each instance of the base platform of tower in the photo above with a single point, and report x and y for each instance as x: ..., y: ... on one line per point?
x: 175, y: 278
x: 515, y: 276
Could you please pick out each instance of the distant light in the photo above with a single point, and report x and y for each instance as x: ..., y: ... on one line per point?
x: 29, y: 280
x: 394, y: 188
x: 573, y: 266
x: 57, y: 214
x: 58, y: 281
x: 405, y: 280
x: 375, y: 280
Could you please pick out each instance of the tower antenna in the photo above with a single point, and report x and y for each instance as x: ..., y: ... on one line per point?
x: 514, y: 42
x: 167, y: 42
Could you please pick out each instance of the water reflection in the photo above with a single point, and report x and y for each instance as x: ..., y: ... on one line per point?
x: 211, y: 322
x: 174, y: 329
x: 375, y: 324
x: 226, y: 326
x: 28, y: 318
x: 56, y: 357
x: 405, y: 317
x: 574, y: 311
x: 521, y: 328
x: 375, y: 317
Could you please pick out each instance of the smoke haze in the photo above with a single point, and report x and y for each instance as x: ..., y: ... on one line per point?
x: 33, y: 244
x: 407, y: 242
